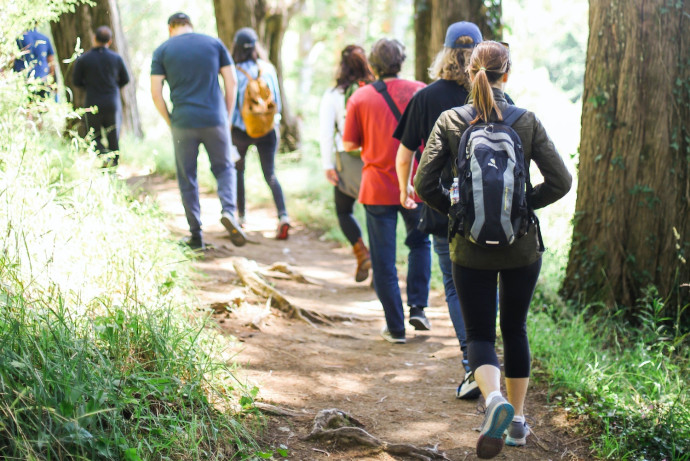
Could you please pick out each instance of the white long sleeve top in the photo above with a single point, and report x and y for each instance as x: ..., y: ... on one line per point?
x: 331, y: 125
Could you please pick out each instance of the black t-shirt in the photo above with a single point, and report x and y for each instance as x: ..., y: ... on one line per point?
x: 101, y: 72
x: 425, y: 107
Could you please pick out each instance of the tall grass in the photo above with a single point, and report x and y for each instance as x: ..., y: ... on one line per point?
x: 101, y: 353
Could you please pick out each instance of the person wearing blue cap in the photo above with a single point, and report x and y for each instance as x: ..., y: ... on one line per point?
x: 37, y: 59
x: 190, y: 63
x: 450, y: 89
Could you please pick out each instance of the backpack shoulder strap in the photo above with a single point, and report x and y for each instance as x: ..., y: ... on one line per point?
x: 246, y: 74
x: 511, y: 114
x: 466, y: 113
x: 380, y: 86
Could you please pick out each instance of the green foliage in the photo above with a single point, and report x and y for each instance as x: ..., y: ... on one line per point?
x: 100, y: 354
x: 629, y: 380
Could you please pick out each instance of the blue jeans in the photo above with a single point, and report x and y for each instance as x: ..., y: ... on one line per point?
x: 216, y: 140
x: 382, y: 221
x: 446, y: 265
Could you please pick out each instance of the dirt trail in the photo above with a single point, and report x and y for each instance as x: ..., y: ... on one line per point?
x: 401, y: 393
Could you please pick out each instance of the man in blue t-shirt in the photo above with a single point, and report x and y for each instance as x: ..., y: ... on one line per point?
x: 190, y: 63
x: 36, y: 57
x: 102, y: 73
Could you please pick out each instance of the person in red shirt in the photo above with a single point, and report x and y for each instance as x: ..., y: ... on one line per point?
x: 372, y: 116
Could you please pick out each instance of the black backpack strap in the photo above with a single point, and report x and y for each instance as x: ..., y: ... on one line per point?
x: 380, y: 86
x: 511, y: 114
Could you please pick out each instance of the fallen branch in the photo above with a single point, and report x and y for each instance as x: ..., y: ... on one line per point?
x: 279, y: 411
x: 338, y: 426
x: 248, y: 273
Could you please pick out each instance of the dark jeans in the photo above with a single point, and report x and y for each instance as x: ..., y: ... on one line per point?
x: 267, y: 146
x: 344, y: 208
x: 446, y: 265
x: 382, y: 221
x: 477, y: 290
x: 108, y: 119
x: 216, y: 140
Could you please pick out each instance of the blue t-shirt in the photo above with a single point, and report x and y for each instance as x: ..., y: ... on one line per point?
x: 190, y: 63
x: 268, y: 73
x: 35, y: 48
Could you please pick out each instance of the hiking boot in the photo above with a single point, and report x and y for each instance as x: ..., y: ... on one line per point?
x: 194, y: 243
x: 363, y: 261
x: 395, y: 339
x: 516, y: 434
x: 237, y: 236
x: 283, y: 228
x: 468, y: 389
x: 418, y: 319
x: 498, y: 417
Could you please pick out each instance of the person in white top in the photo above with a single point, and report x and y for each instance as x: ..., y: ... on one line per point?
x: 353, y: 72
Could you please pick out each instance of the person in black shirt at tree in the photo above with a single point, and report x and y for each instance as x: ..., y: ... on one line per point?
x: 102, y: 73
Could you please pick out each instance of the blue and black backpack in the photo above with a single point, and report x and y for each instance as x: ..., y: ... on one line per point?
x: 493, y: 182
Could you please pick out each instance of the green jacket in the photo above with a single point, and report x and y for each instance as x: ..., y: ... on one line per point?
x: 443, y: 148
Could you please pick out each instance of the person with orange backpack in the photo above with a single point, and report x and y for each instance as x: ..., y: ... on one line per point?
x: 255, y: 118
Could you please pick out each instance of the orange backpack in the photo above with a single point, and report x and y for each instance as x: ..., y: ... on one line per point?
x: 259, y: 108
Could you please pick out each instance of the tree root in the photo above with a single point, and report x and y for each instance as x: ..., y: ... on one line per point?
x: 288, y: 272
x: 338, y: 426
x: 249, y: 274
x: 279, y: 411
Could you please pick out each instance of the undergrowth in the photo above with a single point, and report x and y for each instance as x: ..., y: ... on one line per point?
x: 102, y: 355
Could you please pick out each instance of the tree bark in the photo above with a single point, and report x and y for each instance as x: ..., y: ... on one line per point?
x: 631, y: 225
x: 79, y: 26
x: 270, y: 21
x: 432, y: 18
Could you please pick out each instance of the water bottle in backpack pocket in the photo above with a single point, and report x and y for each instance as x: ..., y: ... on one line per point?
x: 491, y: 209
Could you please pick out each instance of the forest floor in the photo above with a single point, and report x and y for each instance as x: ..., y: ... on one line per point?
x: 401, y: 394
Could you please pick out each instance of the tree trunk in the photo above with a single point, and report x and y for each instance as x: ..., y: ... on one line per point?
x: 432, y: 18
x: 270, y: 21
x: 80, y: 25
x: 631, y: 220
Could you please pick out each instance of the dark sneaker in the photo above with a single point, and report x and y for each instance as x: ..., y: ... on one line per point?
x: 195, y: 243
x: 516, y: 434
x: 468, y: 389
x: 498, y: 417
x: 397, y: 339
x: 418, y: 319
x: 237, y: 236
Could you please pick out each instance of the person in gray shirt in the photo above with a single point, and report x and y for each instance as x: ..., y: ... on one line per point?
x: 190, y: 63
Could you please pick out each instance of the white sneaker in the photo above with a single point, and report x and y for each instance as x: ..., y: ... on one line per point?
x: 468, y: 389
x: 385, y: 334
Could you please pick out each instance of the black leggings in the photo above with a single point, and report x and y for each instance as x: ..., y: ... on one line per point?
x: 344, y: 207
x: 267, y: 146
x: 477, y: 291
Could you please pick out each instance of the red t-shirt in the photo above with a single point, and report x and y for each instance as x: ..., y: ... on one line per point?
x: 370, y: 123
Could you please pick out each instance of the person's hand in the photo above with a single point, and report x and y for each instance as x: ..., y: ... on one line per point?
x: 406, y: 199
x: 332, y: 176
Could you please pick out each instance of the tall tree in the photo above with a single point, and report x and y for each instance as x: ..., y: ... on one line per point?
x: 432, y: 18
x: 270, y: 20
x: 78, y: 26
x: 631, y: 226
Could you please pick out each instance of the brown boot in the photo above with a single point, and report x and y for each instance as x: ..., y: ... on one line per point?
x: 363, y: 261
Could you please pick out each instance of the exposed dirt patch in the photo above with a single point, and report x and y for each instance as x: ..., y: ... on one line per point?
x: 400, y: 393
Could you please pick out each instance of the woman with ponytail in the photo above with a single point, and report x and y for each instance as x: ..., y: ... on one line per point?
x: 477, y: 269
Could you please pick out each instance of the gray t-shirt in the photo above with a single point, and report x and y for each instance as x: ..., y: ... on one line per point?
x: 190, y: 63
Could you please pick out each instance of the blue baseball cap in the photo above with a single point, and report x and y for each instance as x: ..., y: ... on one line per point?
x: 460, y: 29
x: 246, y: 37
